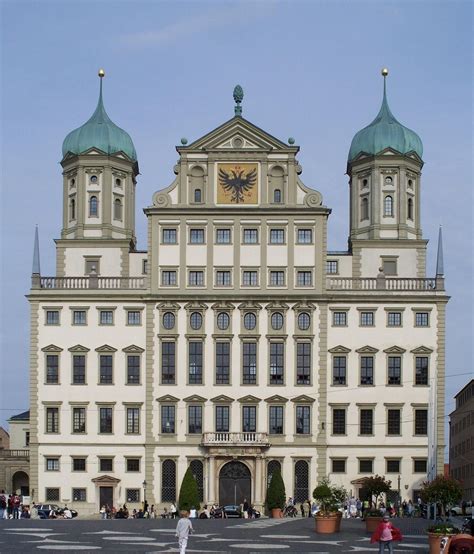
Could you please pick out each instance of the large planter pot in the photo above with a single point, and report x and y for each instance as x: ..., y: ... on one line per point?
x: 276, y: 513
x: 434, y: 541
x: 372, y: 522
x: 327, y: 524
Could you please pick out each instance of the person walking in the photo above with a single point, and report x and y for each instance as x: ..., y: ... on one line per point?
x: 3, y: 505
x: 246, y: 508
x: 385, y: 534
x: 183, y: 530
x: 173, y: 510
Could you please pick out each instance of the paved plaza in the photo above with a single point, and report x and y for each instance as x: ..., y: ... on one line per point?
x: 216, y: 536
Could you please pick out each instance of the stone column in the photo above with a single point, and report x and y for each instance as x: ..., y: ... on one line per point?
x: 258, y: 483
x: 212, y: 477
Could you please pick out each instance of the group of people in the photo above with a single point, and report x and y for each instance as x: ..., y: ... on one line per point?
x: 11, y: 507
x: 355, y: 508
x: 145, y: 512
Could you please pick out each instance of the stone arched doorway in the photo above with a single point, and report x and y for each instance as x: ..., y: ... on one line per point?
x: 235, y: 484
x: 21, y: 483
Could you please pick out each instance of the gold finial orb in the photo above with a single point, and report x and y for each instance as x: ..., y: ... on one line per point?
x: 384, y: 71
x: 101, y: 73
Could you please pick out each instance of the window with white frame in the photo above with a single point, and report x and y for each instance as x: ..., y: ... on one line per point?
x: 52, y: 369
x: 134, y: 317
x: 106, y: 317
x: 394, y: 319
x: 169, y: 236
x: 304, y: 236
x: 422, y: 319
x: 303, y: 420
x: 250, y: 236
x: 196, y: 278
x: 277, y: 236
x: 277, y: 363
x: 339, y: 319
x: 366, y: 319
x: 366, y: 370
x: 52, y: 464
x: 133, y: 369
x: 250, y: 278
x: 421, y: 370
x: 196, y: 236
x: 304, y: 278
x: 52, y: 317
x: 223, y: 278
x: 223, y: 236
x: 133, y: 421
x: 79, y: 317
x: 339, y: 370
x: 168, y: 278
x: 394, y: 370
x: 332, y: 267
x: 277, y: 278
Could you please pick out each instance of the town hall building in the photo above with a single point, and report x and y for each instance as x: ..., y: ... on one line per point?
x: 236, y: 343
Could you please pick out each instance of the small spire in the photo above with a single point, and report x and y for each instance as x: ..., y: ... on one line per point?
x: 36, y: 270
x: 238, y: 97
x: 439, y: 257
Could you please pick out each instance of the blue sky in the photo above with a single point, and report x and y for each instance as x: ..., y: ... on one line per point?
x: 309, y: 70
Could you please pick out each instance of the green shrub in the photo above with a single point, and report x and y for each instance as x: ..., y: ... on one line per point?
x: 188, y: 493
x: 276, y: 495
x: 442, y: 490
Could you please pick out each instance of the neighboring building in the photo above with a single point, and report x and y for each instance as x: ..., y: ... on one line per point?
x: 4, y: 439
x: 461, y: 440
x: 15, y: 455
x: 236, y: 343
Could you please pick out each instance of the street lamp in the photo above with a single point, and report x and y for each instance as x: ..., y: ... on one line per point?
x: 399, y: 496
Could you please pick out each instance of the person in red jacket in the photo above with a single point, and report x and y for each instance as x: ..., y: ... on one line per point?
x: 385, y: 534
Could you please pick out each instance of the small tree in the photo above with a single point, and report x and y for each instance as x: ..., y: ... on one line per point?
x: 375, y: 486
x: 188, y: 493
x: 442, y: 490
x: 276, y: 494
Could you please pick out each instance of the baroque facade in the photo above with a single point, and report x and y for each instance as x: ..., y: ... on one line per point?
x: 237, y: 343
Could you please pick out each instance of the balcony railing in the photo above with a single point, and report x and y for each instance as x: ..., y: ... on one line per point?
x: 7, y: 453
x: 235, y: 439
x: 384, y: 283
x: 92, y: 282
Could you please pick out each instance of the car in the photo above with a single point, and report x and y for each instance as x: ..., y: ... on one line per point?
x: 45, y: 509
x: 232, y: 511
x: 457, y: 511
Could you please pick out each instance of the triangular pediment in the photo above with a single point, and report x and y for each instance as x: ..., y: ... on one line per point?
x: 78, y: 348
x: 222, y: 398
x: 422, y: 350
x: 51, y: 348
x: 133, y: 349
x: 167, y: 398
x: 195, y: 398
x: 367, y: 350
x: 106, y: 348
x: 394, y: 350
x: 227, y: 135
x: 276, y: 399
x: 303, y: 398
x: 105, y: 479
x: 249, y: 399
x: 339, y: 350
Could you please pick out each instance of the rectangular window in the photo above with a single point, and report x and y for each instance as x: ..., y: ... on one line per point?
x: 194, y: 420
x: 249, y: 363
x: 52, y: 464
x: 366, y: 466
x: 79, y: 495
x: 195, y: 362
x: 106, y: 464
x: 422, y: 319
x: 168, y: 278
x: 168, y: 363
x: 105, y: 420
x: 223, y: 236
x: 134, y: 317
x: 367, y: 370
x: 79, y: 464
x: 366, y: 422
x: 305, y: 236
x: 339, y: 319
x: 393, y: 466
x: 170, y: 236
x: 420, y: 465
x: 92, y: 266
x: 304, y: 278
x: 133, y: 369
x: 144, y: 267
x: 421, y: 370
x: 222, y: 363
x: 277, y: 278
x: 52, y: 495
x: 106, y: 369
x: 27, y: 438
x: 52, y: 420
x: 276, y: 420
x: 303, y: 420
x: 250, y: 236
x: 393, y: 422
x: 332, y: 267
x: 339, y: 364
x: 196, y: 278
x: 394, y: 370
x: 366, y: 319
x: 250, y: 278
x: 132, y: 495
x: 52, y: 317
x: 249, y: 419
x: 222, y: 419
x: 223, y: 279
x: 394, y: 319
x: 421, y: 422
x: 277, y: 236
x: 338, y: 466
x: 79, y: 420
x: 338, y: 421
x: 390, y: 267
x: 277, y: 357
x: 79, y: 317
x: 168, y: 420
x: 52, y: 369
x: 196, y: 236
x: 133, y: 464
x: 133, y: 421
x: 303, y: 363
x: 106, y: 317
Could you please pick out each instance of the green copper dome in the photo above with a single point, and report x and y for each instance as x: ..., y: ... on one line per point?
x: 99, y: 132
x: 385, y: 132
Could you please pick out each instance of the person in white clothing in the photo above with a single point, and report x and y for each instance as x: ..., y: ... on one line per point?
x: 183, y: 529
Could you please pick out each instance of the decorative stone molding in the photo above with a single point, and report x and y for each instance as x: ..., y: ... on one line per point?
x: 394, y: 350
x: 339, y: 350
x: 52, y: 348
x: 161, y: 199
x: 313, y: 199
x: 106, y: 348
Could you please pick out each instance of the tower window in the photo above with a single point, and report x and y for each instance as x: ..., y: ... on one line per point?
x: 388, y: 206
x: 118, y: 183
x: 93, y: 206
x: 198, y: 195
x: 93, y: 179
x: 388, y: 181
x: 410, y: 208
x: 72, y: 184
x: 277, y: 196
x: 365, y: 183
x: 410, y: 183
x: 72, y: 213
x: 364, y: 208
x: 118, y: 209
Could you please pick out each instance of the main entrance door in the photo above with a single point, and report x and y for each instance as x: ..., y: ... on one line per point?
x: 106, y: 496
x: 235, y: 484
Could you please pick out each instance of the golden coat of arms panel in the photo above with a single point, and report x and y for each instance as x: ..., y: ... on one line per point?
x: 237, y: 183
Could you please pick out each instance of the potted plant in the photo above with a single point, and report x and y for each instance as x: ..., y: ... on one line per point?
x: 445, y: 492
x: 276, y: 495
x: 189, y: 493
x: 339, y: 494
x: 372, y: 489
x: 327, y: 519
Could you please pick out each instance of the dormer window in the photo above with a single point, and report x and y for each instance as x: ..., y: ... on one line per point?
x: 277, y: 196
x: 93, y: 179
x: 198, y: 196
x: 93, y: 206
x: 388, y: 206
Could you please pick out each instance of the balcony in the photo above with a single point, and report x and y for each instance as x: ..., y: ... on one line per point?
x: 7, y: 453
x: 90, y: 282
x: 396, y: 284
x: 235, y: 439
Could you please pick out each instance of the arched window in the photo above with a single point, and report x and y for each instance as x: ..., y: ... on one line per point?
x: 364, y: 208
x: 118, y: 209
x: 410, y: 208
x: 197, y: 195
x: 168, y: 481
x: 118, y: 183
x: 273, y: 465
x: 198, y: 472
x: 277, y: 196
x: 93, y: 206
x: 301, y: 481
x: 72, y: 213
x: 388, y: 206
x: 277, y: 321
